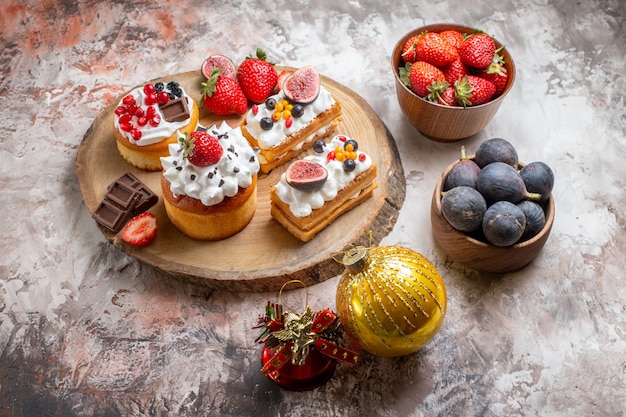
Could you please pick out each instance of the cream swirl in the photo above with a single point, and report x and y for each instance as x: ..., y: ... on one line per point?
x: 211, y: 184
x: 269, y: 138
x: 302, y: 203
x: 153, y: 134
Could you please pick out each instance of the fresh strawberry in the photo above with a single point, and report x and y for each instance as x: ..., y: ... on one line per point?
x: 422, y: 75
x: 496, y: 73
x: 439, y: 92
x: 257, y: 77
x: 223, y: 95
x: 282, y: 76
x: 435, y: 50
x: 140, y: 230
x: 454, y: 70
x: 448, y: 97
x: 201, y: 149
x: 477, y: 50
x: 409, y: 53
x: 472, y: 91
x: 454, y: 37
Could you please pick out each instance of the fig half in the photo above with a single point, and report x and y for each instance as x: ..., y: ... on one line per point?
x: 306, y: 175
x: 303, y: 86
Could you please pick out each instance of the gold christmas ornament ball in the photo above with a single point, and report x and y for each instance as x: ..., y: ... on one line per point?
x: 391, y: 299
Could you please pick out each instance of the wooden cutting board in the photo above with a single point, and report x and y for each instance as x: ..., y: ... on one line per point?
x: 264, y: 255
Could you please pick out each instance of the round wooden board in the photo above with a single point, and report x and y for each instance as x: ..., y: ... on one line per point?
x: 264, y: 255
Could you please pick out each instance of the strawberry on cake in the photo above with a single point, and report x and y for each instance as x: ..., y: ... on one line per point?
x: 289, y: 122
x: 209, y: 183
x: 317, y: 189
x: 146, y: 121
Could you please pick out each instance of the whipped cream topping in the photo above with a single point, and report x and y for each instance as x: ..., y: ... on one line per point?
x: 302, y: 203
x: 211, y: 184
x: 269, y: 138
x: 150, y: 134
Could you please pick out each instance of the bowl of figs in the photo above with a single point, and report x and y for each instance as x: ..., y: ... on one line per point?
x: 451, y: 79
x: 490, y: 212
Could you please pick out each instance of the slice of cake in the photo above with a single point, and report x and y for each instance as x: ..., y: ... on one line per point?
x: 290, y: 122
x: 147, y: 120
x: 317, y: 189
x: 209, y: 183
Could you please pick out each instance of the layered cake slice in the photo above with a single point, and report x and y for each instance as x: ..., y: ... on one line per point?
x: 290, y: 122
x: 317, y: 189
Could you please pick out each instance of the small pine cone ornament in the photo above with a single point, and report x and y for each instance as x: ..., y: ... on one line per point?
x: 390, y: 299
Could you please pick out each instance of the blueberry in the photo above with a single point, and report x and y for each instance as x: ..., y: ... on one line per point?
x: 267, y: 123
x: 353, y: 142
x: 297, y: 110
x: 270, y: 103
x: 172, y: 84
x: 318, y: 146
x: 349, y: 165
x: 159, y: 86
x: 177, y: 91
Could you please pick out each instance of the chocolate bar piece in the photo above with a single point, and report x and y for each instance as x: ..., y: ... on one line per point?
x: 117, y: 207
x: 175, y: 110
x: 148, y: 197
x: 125, y: 198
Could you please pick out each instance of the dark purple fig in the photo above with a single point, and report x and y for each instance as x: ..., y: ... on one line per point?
x: 463, y: 207
x: 499, y: 181
x: 303, y: 86
x: 306, y: 175
x: 496, y: 150
x: 535, y: 219
x: 465, y: 172
x: 538, y: 178
x: 503, y: 223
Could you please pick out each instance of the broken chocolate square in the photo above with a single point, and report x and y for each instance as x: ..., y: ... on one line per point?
x: 110, y: 215
x: 148, y: 197
x: 175, y: 110
x: 125, y: 198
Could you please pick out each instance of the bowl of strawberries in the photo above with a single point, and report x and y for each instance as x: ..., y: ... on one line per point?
x: 451, y: 79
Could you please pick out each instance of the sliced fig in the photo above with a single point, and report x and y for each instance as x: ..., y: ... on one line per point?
x: 225, y: 64
x: 306, y: 175
x: 303, y: 86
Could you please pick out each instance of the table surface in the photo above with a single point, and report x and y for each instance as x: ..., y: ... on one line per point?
x: 86, y: 330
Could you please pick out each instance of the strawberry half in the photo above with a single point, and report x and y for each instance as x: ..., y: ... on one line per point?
x: 140, y: 230
x: 257, y: 77
x: 201, y: 149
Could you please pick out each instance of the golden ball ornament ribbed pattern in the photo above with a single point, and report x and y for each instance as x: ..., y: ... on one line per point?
x: 391, y: 299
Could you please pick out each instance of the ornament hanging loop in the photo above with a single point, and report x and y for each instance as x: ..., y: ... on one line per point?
x: 282, y: 288
x: 355, y: 258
